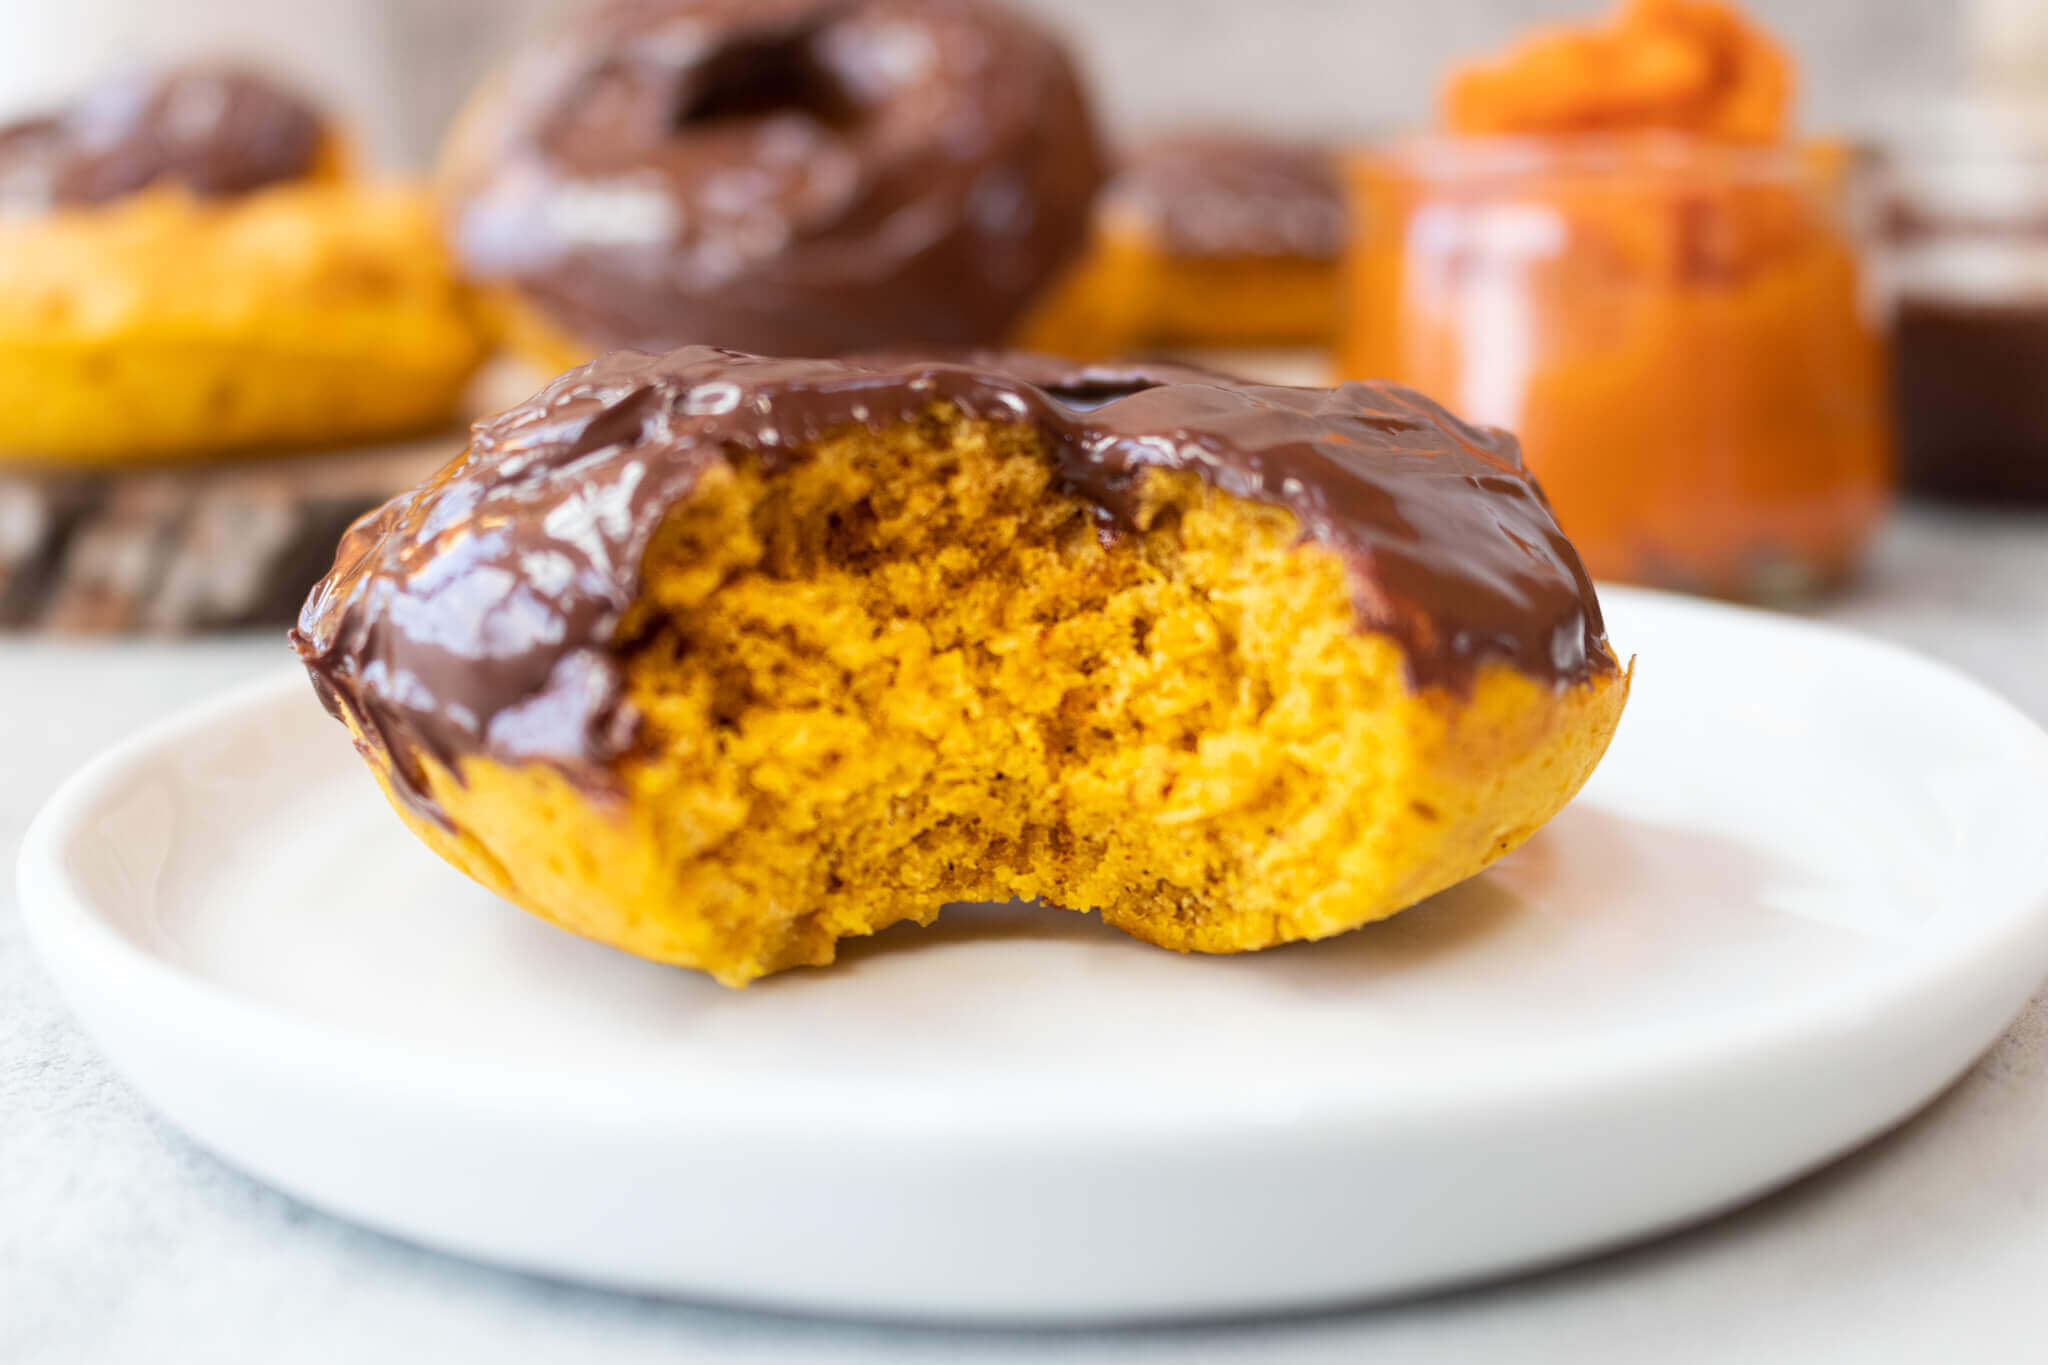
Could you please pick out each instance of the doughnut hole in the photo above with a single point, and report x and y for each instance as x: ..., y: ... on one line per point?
x: 907, y: 670
x: 760, y: 78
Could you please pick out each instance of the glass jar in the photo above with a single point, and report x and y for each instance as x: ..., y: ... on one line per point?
x: 1680, y: 332
x: 1966, y: 256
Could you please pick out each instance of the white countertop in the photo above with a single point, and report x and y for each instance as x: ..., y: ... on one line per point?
x: 120, y: 1241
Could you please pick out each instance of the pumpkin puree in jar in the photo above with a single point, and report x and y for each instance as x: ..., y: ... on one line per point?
x: 1619, y: 252
x: 1693, y: 65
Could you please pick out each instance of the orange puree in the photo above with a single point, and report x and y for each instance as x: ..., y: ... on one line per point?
x: 1665, y: 304
x: 1694, y: 65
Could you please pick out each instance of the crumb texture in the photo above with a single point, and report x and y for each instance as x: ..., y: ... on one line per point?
x: 907, y: 670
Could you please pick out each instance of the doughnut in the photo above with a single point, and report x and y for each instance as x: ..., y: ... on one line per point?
x: 1207, y: 239
x: 187, y: 270
x: 721, y: 659
x: 215, y: 131
x: 798, y: 177
x: 1249, y: 231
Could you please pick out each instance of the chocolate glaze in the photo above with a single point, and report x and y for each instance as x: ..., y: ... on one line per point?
x: 477, y: 614
x: 1211, y: 195
x: 217, y: 131
x: 787, y: 176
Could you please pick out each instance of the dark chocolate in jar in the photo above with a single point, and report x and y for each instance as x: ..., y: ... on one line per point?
x: 477, y: 614
x: 797, y: 177
x: 217, y: 131
x: 1971, y: 384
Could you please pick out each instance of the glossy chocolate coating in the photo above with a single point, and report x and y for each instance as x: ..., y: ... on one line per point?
x: 216, y: 131
x: 1209, y: 195
x: 477, y: 614
x: 799, y: 177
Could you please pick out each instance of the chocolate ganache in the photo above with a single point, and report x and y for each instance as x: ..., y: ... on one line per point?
x: 216, y: 131
x: 1209, y: 195
x: 800, y: 177
x: 477, y: 614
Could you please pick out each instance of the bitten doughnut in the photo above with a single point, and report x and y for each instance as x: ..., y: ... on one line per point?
x: 722, y: 659
x: 799, y: 177
x: 186, y: 270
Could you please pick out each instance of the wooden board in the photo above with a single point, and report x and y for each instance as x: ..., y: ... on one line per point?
x: 188, y: 549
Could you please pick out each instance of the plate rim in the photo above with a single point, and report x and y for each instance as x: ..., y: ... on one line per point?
x: 74, y: 939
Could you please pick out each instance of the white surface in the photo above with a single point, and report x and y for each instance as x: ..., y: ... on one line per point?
x: 123, y: 1242
x: 392, y: 71
x: 398, y: 68
x: 1683, y: 991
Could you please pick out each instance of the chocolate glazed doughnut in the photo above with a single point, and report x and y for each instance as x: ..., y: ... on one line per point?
x: 215, y: 130
x: 190, y: 269
x: 722, y: 659
x: 782, y: 176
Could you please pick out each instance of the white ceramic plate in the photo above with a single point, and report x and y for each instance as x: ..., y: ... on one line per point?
x: 1806, y: 888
